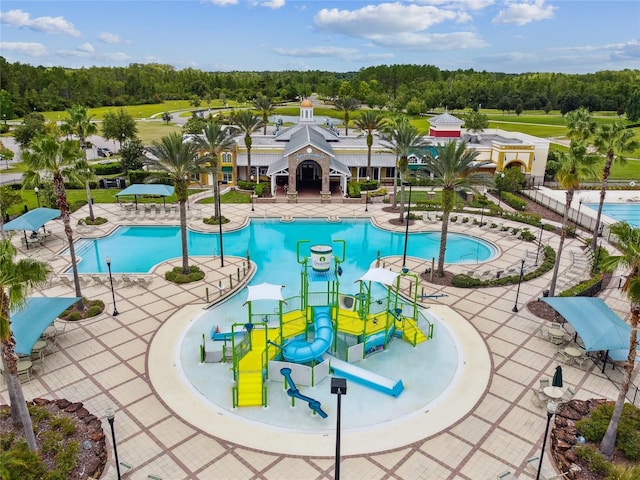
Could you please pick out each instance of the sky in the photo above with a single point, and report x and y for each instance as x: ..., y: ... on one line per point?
x: 513, y: 36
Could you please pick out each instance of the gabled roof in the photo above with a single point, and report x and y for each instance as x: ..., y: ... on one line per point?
x: 286, y: 134
x: 446, y: 119
x: 308, y: 136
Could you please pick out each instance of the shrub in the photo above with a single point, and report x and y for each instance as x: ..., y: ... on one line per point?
x: 513, y: 201
x: 528, y: 236
x: 94, y: 311
x: 370, y: 185
x: 65, y: 424
x: 593, y: 458
x: 353, y: 188
x: 97, y: 221
x: 176, y: 276
x: 92, y: 308
x: 215, y: 220
x: 594, y: 427
x: 106, y: 168
x: 72, y: 316
x: 246, y: 185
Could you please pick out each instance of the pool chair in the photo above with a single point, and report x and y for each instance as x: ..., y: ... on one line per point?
x: 538, y: 398
x: 505, y: 476
x: 532, y: 467
x: 144, y: 281
x: 568, y: 395
x: 128, y: 281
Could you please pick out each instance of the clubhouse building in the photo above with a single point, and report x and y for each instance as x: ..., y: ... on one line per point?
x: 313, y: 156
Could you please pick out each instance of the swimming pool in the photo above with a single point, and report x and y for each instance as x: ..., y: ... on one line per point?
x: 271, y: 244
x: 629, y: 212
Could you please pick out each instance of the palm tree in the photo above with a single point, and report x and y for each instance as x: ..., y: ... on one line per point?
x: 63, y: 161
x: 180, y: 160
x: 248, y: 123
x: 611, y: 140
x: 79, y: 124
x: 346, y: 105
x: 573, y: 167
x: 628, y: 243
x: 453, y: 167
x: 16, y: 279
x: 215, y: 139
x: 404, y: 140
x: 370, y: 121
x: 265, y: 107
x: 580, y: 125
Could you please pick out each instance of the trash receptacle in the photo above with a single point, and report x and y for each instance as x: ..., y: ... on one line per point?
x: 545, y: 293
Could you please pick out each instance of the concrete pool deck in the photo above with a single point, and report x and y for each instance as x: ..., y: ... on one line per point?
x: 106, y: 362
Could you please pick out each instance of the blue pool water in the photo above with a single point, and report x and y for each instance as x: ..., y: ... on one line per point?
x: 271, y: 244
x: 629, y: 212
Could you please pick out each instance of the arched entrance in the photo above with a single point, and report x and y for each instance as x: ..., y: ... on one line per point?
x: 309, y: 177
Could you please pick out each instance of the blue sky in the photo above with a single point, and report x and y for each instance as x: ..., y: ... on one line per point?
x: 221, y: 35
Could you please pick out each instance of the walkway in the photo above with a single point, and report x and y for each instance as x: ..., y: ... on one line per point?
x: 104, y: 363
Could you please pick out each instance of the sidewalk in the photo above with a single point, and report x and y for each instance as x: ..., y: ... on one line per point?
x: 104, y: 362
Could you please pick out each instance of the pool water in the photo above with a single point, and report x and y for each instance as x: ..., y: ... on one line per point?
x: 629, y: 212
x: 271, y: 245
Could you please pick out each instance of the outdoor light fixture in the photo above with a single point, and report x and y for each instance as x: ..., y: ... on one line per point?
x: 484, y: 200
x: 500, y: 188
x: 551, y: 410
x: 540, y: 244
x: 366, y: 199
x: 252, y: 194
x: 113, y: 292
x: 37, y: 190
x: 406, y: 232
x: 339, y: 388
x: 110, y: 418
x: 220, y: 227
x: 515, y: 307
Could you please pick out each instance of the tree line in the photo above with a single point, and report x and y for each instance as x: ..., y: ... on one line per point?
x: 415, y: 89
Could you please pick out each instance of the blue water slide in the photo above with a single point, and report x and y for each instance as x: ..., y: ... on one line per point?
x: 300, y: 351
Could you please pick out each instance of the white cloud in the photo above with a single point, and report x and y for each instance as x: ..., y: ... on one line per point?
x: 107, y: 37
x: 430, y: 41
x: 20, y: 19
x: 86, y: 47
x: 384, y: 18
x: 31, y: 49
x: 223, y: 3
x: 463, y: 4
x: 523, y: 13
x: 316, y: 52
x: 275, y: 4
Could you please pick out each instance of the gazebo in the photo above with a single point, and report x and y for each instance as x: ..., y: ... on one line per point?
x: 147, y: 190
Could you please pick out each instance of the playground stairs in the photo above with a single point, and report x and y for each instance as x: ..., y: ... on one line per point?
x: 250, y: 380
x: 411, y: 333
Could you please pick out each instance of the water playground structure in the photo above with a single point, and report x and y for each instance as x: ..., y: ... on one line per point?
x: 321, y: 331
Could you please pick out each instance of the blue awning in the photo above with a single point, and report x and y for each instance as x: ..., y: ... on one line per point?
x: 37, y: 314
x: 599, y: 327
x: 33, y: 219
x: 157, y: 189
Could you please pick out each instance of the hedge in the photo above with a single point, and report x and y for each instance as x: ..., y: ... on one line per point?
x: 139, y: 176
x: 513, y: 201
x: 353, y: 189
x: 106, y: 168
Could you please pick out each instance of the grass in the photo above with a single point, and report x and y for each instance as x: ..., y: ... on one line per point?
x: 153, y: 131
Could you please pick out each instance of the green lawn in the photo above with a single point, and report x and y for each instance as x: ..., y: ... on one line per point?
x: 153, y: 131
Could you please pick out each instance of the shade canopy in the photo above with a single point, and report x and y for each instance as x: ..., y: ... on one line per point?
x: 380, y: 275
x: 264, y: 291
x: 37, y: 314
x: 599, y: 327
x: 140, y: 189
x: 33, y: 219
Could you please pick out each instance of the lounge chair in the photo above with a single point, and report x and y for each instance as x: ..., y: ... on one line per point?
x: 538, y: 398
x: 505, y: 476
x: 144, y: 281
x: 568, y: 395
x: 128, y: 281
x: 532, y: 466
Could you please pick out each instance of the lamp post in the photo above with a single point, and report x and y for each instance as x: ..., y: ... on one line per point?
x: 366, y: 199
x: 500, y: 188
x: 339, y: 388
x: 484, y: 200
x: 406, y: 232
x: 578, y: 216
x: 220, y: 227
x: 37, y: 190
x: 540, y: 243
x: 110, y: 417
x: 515, y: 307
x: 252, y: 194
x: 113, y: 292
x: 551, y: 409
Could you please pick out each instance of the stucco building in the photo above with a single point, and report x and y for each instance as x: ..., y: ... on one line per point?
x: 312, y: 155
